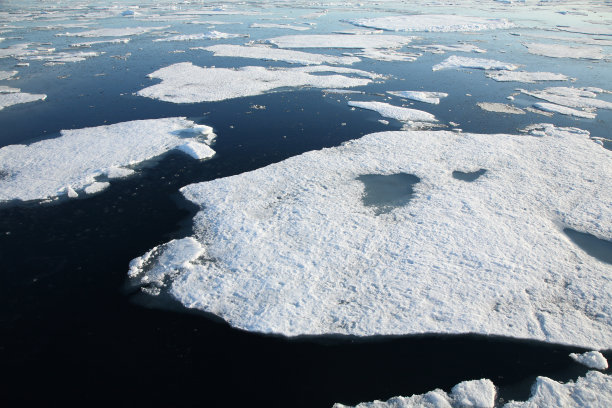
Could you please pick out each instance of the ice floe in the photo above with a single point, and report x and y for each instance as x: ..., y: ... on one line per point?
x: 387, y: 55
x: 358, y: 41
x: 7, y: 74
x: 88, y: 44
x: 441, y: 49
x: 294, y: 248
x: 283, y: 26
x: 591, y: 391
x: 395, y: 112
x: 276, y: 54
x: 500, y: 108
x: 565, y: 51
x: 564, y: 110
x: 591, y: 359
x: 456, y: 62
x: 420, y: 96
x: 432, y: 22
x: 579, y: 98
x: 211, y: 35
x: 12, y: 96
x: 527, y: 77
x: 113, y: 32
x: 84, y: 159
x: 187, y: 83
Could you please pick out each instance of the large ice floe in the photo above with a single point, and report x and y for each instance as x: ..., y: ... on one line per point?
x: 113, y: 32
x: 377, y: 237
x: 523, y: 76
x: 565, y: 51
x: 210, y: 35
x: 594, y: 390
x: 420, y: 96
x: 579, y: 102
x: 14, y: 96
x: 358, y: 41
x: 432, y: 22
x: 276, y: 54
x: 455, y: 62
x: 188, y: 83
x: 83, y: 160
x: 500, y: 108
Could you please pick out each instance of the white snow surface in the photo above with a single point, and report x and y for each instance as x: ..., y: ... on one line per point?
x: 15, y: 98
x: 395, y: 112
x: 565, y: 51
x: 283, y: 26
x: 210, y: 35
x: 113, y: 32
x: 277, y: 54
x: 479, y: 63
x: 564, y: 110
x: 432, y: 22
x: 500, y: 108
x: 523, y: 76
x: 591, y: 359
x: 292, y: 248
x: 591, y: 391
x: 420, y: 96
x: 187, y: 83
x: 76, y: 159
x: 358, y: 41
x: 580, y: 98
x: 88, y: 44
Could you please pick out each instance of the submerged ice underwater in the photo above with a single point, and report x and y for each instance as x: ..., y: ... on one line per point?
x: 313, y: 204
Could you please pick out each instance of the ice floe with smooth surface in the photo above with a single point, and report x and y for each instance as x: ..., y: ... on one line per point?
x: 7, y: 74
x: 283, y: 26
x: 500, y: 108
x: 420, y: 96
x: 211, y: 35
x: 441, y: 49
x: 277, y: 54
x: 89, y: 44
x: 11, y: 97
x: 395, y: 112
x: 579, y: 98
x: 591, y: 359
x: 187, y: 83
x: 432, y: 22
x: 565, y: 51
x: 83, y: 160
x: 591, y: 391
x: 527, y: 77
x: 456, y: 62
x: 376, y: 237
x: 564, y: 110
x: 358, y: 41
x: 113, y: 32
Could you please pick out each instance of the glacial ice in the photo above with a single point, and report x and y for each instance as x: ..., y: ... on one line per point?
x: 77, y: 159
x: 187, y: 83
x: 14, y: 98
x: 565, y: 51
x: 478, y: 63
x: 500, y: 108
x: 523, y: 76
x: 432, y: 22
x: 395, y: 112
x: 358, y: 41
x: 591, y: 391
x: 291, y: 248
x: 277, y: 54
x: 591, y: 359
x: 420, y: 96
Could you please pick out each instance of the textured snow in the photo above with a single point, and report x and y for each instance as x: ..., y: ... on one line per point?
x: 395, y: 112
x: 478, y: 63
x: 187, y: 83
x: 564, y: 110
x: 77, y: 159
x: 113, y: 32
x: 7, y: 74
x: 432, y: 22
x: 14, y: 98
x: 359, y: 41
x: 565, y: 51
x: 211, y: 35
x: 500, y: 108
x: 276, y: 54
x: 421, y: 96
x: 292, y: 248
x: 527, y: 77
x: 591, y: 359
x: 592, y: 391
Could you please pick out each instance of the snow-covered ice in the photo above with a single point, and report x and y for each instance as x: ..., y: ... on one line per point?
x: 187, y: 83
x: 395, y: 112
x: 283, y: 26
x: 421, y: 96
x: 456, y: 62
x: 82, y: 159
x: 88, y: 44
x: 500, y: 108
x: 527, y: 77
x: 211, y: 35
x: 387, y: 55
x: 277, y: 54
x: 7, y: 74
x: 565, y: 51
x: 358, y: 41
x: 10, y: 98
x: 292, y: 248
x: 580, y: 98
x: 113, y: 32
x: 432, y: 22
x: 564, y: 110
x: 591, y: 359
x: 441, y: 49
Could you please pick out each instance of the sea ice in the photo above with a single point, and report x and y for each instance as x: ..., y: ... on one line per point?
x: 591, y: 359
x: 523, y: 76
x: 478, y: 63
x: 565, y: 51
x: 564, y: 110
x: 358, y: 41
x: 292, y: 248
x: 581, y: 98
x: 7, y: 74
x: 113, y: 32
x: 395, y: 112
x: 88, y: 44
x: 76, y: 160
x: 187, y: 83
x: 277, y: 54
x: 211, y: 35
x: 387, y: 55
x: 421, y: 96
x: 432, y: 22
x: 285, y: 26
x: 441, y: 49
x: 500, y: 108
x: 14, y: 98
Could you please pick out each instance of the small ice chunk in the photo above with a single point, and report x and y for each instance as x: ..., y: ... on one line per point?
x: 15, y: 98
x: 395, y: 112
x: 211, y: 35
x: 116, y: 172
x: 420, y: 96
x: 591, y: 359
x: 564, y: 110
x: 523, y: 76
x: 565, y: 51
x: 276, y: 54
x: 71, y: 193
x: 7, y: 74
x: 7, y: 89
x: 432, y: 23
x: 358, y: 41
x: 478, y: 63
x: 500, y: 108
x: 197, y: 150
x: 96, y: 187
x: 475, y: 393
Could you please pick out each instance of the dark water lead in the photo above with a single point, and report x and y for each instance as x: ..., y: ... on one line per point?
x: 596, y: 247
x: 468, y: 176
x: 385, y: 192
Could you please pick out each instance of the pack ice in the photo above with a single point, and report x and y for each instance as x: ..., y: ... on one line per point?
x: 432, y: 22
x: 83, y: 160
x: 378, y: 237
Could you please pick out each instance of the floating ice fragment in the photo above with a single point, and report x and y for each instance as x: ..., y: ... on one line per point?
x: 197, y: 150
x: 432, y: 22
x: 15, y: 98
x: 523, y: 76
x: 187, y: 83
x: 395, y: 112
x: 79, y: 158
x: 95, y: 187
x: 211, y: 35
x: 421, y: 96
x: 358, y: 41
x: 500, y: 108
x: 564, y: 110
x: 88, y: 44
x: 478, y: 63
x: 7, y: 74
x: 7, y: 89
x: 387, y: 55
x: 441, y: 49
x: 581, y: 98
x: 276, y: 54
x: 113, y: 32
x: 591, y: 359
x: 565, y: 51
x: 285, y: 26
